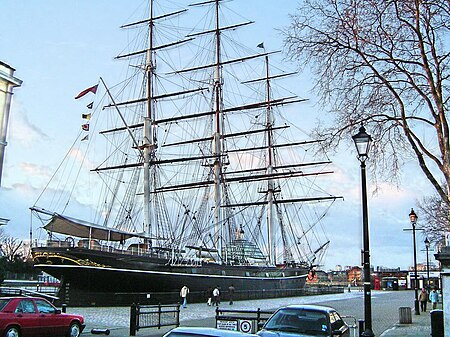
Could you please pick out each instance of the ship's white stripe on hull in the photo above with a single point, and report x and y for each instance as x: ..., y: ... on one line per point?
x: 171, y: 273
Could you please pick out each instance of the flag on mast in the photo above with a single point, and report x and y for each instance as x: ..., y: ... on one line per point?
x: 85, y: 127
x: 261, y: 45
x: 86, y: 116
x: 92, y: 89
x: 90, y: 105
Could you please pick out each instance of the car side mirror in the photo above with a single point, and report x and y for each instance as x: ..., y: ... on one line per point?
x: 57, y: 312
x: 260, y: 325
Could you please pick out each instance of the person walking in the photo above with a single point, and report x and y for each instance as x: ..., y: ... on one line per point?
x: 216, y: 296
x: 183, y: 293
x: 231, y: 293
x: 423, y: 298
x: 210, y: 296
x: 434, y: 298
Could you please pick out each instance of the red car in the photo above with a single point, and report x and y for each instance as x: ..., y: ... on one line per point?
x: 35, y: 316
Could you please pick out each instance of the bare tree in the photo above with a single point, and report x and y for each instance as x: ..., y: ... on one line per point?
x: 384, y: 64
x: 434, y: 218
x: 10, y: 248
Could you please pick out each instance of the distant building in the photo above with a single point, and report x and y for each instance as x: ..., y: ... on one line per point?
x: 354, y: 276
x: 7, y: 83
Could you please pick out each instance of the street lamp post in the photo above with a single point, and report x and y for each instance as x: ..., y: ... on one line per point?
x: 427, y: 247
x: 413, y: 218
x: 362, y: 142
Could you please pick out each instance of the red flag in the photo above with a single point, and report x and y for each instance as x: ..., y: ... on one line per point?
x: 85, y: 127
x: 85, y: 91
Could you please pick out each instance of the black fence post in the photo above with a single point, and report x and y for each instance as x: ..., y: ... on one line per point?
x: 133, y: 316
x: 64, y: 308
x: 178, y: 315
x: 159, y: 315
x: 258, y: 318
x: 217, y: 315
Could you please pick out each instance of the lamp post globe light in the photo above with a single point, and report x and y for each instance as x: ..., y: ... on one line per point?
x: 362, y: 142
x: 427, y: 247
x: 413, y: 218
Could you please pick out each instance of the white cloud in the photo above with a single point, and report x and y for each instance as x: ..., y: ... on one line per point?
x: 21, y: 129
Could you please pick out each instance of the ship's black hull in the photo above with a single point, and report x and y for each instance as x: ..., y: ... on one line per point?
x: 91, y: 277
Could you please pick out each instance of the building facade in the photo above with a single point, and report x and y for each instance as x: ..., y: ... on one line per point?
x: 7, y: 83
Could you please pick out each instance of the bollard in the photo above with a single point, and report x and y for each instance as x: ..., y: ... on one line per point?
x: 100, y: 332
x: 63, y: 308
x: 405, y: 316
x: 133, y: 318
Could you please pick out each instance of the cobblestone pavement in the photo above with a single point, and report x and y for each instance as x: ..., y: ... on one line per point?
x: 385, y: 306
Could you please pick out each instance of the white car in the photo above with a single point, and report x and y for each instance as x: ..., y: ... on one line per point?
x: 304, y: 321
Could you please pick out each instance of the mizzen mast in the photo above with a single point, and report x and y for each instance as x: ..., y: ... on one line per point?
x: 270, y: 182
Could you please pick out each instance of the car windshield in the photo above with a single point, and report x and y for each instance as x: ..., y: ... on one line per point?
x: 184, y: 334
x: 299, y: 320
x: 44, y: 307
x: 3, y: 303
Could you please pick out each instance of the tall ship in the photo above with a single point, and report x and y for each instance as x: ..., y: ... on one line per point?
x: 194, y: 175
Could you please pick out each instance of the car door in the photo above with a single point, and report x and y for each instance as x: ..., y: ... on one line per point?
x: 52, y: 322
x: 27, y: 317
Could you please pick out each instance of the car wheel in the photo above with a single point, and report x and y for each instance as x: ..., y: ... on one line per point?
x: 74, y: 330
x: 12, y: 331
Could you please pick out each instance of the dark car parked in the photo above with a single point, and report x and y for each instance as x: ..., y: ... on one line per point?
x: 305, y: 320
x: 35, y: 316
x: 204, y: 332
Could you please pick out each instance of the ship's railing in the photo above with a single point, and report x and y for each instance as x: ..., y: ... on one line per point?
x: 153, y: 316
x: 95, y: 245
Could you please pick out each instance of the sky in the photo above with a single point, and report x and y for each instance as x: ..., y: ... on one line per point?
x: 59, y: 48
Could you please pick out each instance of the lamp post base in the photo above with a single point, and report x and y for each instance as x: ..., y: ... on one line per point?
x: 416, y: 307
x: 368, y: 333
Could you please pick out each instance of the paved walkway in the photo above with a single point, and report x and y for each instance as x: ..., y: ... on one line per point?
x: 420, y: 327
x: 198, y: 314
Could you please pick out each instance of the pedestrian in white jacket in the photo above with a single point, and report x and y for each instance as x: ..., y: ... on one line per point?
x: 183, y: 293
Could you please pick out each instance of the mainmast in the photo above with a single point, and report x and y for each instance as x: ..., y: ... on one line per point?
x: 217, y: 137
x: 149, y: 124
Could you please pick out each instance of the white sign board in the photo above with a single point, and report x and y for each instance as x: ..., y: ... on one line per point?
x: 227, y: 325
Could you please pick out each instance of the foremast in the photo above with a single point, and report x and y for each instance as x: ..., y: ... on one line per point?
x: 270, y: 182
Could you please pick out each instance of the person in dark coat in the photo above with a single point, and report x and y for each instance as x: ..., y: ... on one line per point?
x: 423, y: 299
x: 210, y: 295
x: 231, y: 293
